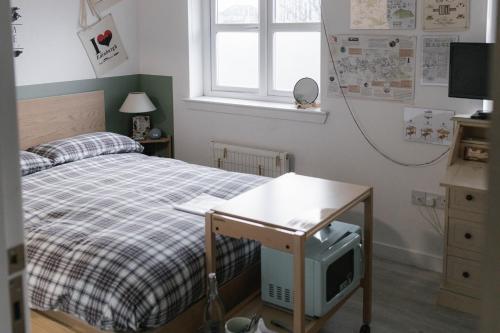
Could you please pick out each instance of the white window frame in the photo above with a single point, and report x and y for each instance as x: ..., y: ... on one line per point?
x: 266, y: 29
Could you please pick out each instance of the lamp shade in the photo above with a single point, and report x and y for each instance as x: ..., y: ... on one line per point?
x: 137, y: 102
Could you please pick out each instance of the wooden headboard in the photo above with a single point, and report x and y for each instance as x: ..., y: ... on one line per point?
x: 46, y: 119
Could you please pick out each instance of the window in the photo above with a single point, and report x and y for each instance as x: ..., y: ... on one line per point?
x: 259, y: 49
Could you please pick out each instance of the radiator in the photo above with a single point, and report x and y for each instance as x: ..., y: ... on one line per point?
x: 249, y: 160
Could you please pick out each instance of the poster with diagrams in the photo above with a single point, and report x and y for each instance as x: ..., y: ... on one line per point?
x: 375, y: 67
x: 428, y: 126
x: 446, y: 15
x: 436, y: 59
x: 383, y: 14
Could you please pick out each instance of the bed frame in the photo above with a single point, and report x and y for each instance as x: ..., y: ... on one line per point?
x: 46, y: 119
x: 233, y: 293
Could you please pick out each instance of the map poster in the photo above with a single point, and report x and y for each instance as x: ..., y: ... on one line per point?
x: 375, y: 67
x: 383, y: 14
x: 436, y: 59
x: 428, y: 126
x: 449, y: 15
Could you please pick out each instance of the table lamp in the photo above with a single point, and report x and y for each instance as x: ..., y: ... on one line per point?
x: 138, y: 102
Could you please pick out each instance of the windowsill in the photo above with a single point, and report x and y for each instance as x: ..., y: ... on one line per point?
x: 259, y: 109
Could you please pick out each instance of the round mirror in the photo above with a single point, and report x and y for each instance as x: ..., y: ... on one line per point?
x: 306, y: 91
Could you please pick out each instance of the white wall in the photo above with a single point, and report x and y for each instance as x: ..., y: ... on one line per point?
x: 334, y: 150
x: 53, y: 51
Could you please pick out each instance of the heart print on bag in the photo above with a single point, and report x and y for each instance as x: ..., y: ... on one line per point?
x: 105, y: 38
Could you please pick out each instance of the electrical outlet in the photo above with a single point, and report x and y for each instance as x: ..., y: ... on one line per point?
x: 441, y: 202
x: 418, y: 198
x: 431, y: 200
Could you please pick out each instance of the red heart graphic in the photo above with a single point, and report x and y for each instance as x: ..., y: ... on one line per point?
x: 105, y: 38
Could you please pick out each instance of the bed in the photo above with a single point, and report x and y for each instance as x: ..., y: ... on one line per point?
x: 106, y: 250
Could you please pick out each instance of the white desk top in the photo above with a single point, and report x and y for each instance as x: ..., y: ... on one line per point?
x: 467, y: 174
x: 294, y: 202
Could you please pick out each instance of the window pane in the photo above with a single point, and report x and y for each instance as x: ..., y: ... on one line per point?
x: 296, y: 55
x: 238, y: 59
x: 237, y: 11
x: 297, y: 11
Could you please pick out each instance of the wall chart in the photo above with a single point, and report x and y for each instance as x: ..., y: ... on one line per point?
x: 376, y: 67
x: 428, y: 126
x: 383, y: 14
x: 436, y: 59
x: 446, y: 15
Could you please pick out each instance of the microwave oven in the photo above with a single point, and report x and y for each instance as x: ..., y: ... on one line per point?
x: 333, y: 269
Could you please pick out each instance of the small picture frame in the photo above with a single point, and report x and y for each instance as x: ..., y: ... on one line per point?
x: 141, y: 126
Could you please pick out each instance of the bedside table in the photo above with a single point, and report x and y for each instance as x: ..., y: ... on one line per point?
x: 160, y: 147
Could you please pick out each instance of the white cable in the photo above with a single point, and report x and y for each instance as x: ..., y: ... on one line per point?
x: 438, y: 220
x: 367, y: 138
x: 430, y: 221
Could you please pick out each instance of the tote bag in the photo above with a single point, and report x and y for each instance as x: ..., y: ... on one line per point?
x: 101, y: 41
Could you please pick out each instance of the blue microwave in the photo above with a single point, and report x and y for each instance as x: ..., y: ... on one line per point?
x: 333, y: 269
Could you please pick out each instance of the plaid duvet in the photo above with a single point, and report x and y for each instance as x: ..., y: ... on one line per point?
x: 105, y: 245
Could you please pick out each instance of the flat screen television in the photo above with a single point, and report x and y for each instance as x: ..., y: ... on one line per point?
x: 470, y: 70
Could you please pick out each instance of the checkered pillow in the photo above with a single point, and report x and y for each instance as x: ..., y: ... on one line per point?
x: 31, y: 163
x: 85, y: 146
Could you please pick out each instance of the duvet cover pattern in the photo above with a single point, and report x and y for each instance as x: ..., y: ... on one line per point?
x: 104, y: 243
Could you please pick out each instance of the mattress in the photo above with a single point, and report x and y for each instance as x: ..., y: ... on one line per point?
x: 104, y: 243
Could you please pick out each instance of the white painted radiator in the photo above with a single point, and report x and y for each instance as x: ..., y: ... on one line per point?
x: 255, y: 161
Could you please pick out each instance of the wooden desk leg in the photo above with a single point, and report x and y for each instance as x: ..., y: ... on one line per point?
x: 210, y: 249
x: 299, y: 284
x: 368, y: 244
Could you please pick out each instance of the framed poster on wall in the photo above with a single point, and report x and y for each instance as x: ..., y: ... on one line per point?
x: 450, y: 15
x: 383, y: 14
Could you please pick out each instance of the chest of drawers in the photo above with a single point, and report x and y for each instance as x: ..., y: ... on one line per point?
x: 466, y: 194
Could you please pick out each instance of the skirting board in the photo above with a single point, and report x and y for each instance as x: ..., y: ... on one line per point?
x: 408, y: 257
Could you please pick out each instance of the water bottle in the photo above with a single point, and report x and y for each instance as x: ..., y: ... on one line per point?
x: 214, y: 310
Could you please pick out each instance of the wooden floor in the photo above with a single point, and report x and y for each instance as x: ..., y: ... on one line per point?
x: 404, y: 302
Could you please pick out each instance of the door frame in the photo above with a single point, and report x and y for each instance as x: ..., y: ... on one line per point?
x: 491, y: 258
x: 11, y: 221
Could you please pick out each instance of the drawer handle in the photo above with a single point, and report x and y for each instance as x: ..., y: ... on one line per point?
x: 468, y: 236
x: 466, y: 275
x: 469, y: 197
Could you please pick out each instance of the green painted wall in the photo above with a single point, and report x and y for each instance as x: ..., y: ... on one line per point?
x: 159, y: 90
x: 116, y: 89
